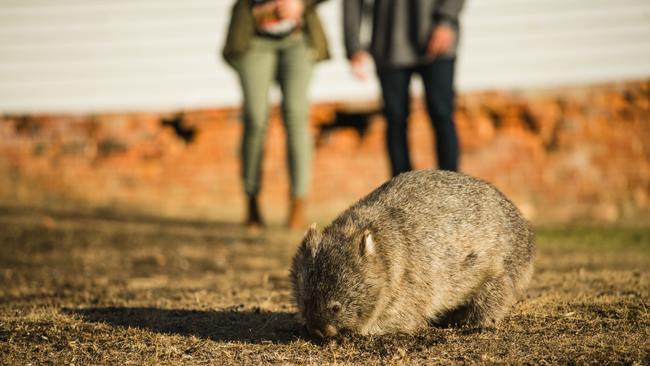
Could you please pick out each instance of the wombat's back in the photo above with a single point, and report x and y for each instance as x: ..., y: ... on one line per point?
x: 445, y: 206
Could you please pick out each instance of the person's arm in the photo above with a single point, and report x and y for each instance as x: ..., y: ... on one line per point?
x: 443, y: 35
x: 352, y: 13
x: 294, y: 9
x: 358, y: 57
x: 313, y: 3
x: 291, y: 9
x: 447, y: 12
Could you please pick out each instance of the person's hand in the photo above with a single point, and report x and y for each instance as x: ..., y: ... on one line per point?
x: 358, y: 63
x: 291, y: 9
x: 441, y: 40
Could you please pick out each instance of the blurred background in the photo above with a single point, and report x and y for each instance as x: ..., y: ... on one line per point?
x: 128, y: 105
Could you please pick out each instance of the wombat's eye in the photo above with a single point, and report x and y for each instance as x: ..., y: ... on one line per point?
x: 335, y: 308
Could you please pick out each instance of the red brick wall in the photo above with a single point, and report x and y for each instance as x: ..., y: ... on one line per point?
x: 563, y: 154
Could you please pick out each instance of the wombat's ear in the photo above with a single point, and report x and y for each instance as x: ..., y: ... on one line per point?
x: 311, y: 239
x: 367, y: 247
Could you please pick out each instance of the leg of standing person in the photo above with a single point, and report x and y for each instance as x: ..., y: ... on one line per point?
x: 395, y: 91
x: 256, y: 69
x: 294, y: 73
x: 438, y: 80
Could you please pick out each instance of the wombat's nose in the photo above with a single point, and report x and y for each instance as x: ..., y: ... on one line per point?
x: 329, y: 330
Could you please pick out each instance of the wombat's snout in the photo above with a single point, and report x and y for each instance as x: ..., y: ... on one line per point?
x: 325, y: 331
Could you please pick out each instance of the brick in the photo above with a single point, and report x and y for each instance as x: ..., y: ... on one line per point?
x: 560, y: 154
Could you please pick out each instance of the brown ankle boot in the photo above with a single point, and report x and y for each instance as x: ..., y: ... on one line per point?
x: 296, y: 214
x: 254, y: 219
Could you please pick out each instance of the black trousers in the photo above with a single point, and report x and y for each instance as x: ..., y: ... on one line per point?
x: 438, y: 80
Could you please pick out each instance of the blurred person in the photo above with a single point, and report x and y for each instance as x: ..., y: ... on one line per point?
x: 410, y: 37
x: 267, y: 41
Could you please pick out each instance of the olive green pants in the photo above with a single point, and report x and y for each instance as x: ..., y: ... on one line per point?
x: 288, y: 61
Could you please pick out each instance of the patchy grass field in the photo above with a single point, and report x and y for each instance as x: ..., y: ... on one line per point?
x: 108, y: 289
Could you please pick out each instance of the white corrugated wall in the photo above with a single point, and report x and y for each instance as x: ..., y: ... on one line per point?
x: 120, y: 55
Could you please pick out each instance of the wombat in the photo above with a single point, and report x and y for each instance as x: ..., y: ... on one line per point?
x: 426, y: 247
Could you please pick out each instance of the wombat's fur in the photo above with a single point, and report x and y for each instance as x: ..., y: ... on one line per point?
x: 425, y: 247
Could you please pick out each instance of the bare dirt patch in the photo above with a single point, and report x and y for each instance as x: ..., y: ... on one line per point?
x: 113, y: 289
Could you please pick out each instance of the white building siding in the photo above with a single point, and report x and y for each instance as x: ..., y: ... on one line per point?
x: 92, y: 55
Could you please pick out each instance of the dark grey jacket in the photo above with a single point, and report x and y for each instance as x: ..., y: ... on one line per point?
x: 400, y: 28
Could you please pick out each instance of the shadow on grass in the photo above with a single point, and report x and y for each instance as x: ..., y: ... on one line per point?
x: 114, y: 215
x: 225, y: 326
x: 249, y: 327
x: 86, y: 220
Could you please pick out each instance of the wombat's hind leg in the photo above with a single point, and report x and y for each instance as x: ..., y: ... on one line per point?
x: 485, y: 308
x: 491, y: 302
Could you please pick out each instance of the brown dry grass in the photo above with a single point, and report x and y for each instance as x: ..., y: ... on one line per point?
x: 109, y: 289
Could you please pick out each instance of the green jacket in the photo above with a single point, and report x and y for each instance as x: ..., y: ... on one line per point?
x: 242, y: 29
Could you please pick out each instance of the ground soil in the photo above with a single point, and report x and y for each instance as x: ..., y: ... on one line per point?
x: 106, y: 288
